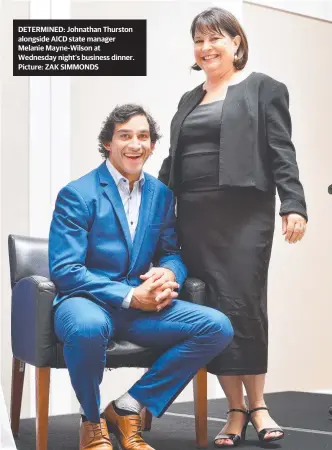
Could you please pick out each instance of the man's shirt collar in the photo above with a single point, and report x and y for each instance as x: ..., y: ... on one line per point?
x: 118, y: 177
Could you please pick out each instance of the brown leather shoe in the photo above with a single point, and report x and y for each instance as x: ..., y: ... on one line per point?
x: 94, y: 436
x: 127, y: 429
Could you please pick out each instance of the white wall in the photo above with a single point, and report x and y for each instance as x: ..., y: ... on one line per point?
x: 296, y: 50
x: 14, y: 174
x: 319, y: 9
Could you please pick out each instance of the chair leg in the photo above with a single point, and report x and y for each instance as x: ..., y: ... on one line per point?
x: 146, y: 418
x: 18, y: 370
x: 42, y: 402
x: 200, y: 400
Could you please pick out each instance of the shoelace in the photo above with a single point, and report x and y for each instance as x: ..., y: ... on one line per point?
x: 99, y: 431
x: 136, y: 435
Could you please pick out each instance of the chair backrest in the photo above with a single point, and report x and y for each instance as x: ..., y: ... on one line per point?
x: 27, y: 256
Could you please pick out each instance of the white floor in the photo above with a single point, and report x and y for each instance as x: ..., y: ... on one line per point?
x: 322, y: 391
x: 6, y: 437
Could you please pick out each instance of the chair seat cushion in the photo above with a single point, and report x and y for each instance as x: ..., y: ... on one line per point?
x: 123, y: 348
x: 121, y: 354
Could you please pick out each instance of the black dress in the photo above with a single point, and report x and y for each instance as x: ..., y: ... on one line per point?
x: 226, y: 238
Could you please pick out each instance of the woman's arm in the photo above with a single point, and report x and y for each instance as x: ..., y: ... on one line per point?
x: 282, y: 152
x: 165, y: 169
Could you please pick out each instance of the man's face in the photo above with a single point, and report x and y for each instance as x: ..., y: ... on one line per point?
x: 130, y: 146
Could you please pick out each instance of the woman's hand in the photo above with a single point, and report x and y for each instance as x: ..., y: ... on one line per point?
x: 293, y: 226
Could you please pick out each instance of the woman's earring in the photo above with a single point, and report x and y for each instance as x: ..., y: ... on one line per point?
x: 235, y: 61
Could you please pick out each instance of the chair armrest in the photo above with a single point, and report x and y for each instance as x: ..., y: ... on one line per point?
x: 32, y: 328
x: 193, y: 291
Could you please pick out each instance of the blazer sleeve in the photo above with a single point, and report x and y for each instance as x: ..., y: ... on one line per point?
x: 167, y: 253
x: 165, y: 169
x: 68, y: 245
x: 282, y: 151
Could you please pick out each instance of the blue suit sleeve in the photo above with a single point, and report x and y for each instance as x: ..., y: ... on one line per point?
x: 168, y: 253
x: 68, y: 243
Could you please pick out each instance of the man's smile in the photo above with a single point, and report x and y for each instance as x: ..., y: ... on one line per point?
x: 133, y: 157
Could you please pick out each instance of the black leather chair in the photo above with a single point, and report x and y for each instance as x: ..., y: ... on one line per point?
x: 34, y: 341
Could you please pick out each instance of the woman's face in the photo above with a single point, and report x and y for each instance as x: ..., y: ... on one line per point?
x: 214, y: 51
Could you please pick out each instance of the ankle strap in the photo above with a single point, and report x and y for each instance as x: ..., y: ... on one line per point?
x: 258, y: 409
x: 238, y: 410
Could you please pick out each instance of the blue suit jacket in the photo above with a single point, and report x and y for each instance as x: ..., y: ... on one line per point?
x: 91, y: 253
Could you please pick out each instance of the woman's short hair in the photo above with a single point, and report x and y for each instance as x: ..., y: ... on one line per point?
x: 121, y: 114
x: 220, y: 20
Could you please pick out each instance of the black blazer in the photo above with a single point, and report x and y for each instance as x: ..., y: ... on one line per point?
x: 256, y: 149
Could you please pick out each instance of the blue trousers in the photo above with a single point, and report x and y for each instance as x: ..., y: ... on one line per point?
x: 193, y: 334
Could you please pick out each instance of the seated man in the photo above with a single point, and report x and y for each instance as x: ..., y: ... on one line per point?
x: 108, y: 227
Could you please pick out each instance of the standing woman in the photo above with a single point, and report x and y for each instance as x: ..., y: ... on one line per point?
x: 230, y: 149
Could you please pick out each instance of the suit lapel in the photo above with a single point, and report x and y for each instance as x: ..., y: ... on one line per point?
x: 111, y: 191
x: 144, y: 219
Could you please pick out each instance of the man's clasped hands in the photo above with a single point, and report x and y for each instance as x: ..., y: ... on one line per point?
x: 157, y: 290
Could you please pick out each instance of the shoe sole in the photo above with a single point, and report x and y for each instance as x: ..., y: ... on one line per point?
x: 272, y: 439
x: 118, y: 445
x: 112, y: 431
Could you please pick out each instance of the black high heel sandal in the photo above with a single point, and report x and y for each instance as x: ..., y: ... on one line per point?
x: 235, y: 438
x: 263, y: 432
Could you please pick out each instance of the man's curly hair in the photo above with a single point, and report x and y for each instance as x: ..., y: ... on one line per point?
x: 121, y: 114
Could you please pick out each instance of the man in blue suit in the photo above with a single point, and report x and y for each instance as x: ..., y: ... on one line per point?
x: 108, y: 228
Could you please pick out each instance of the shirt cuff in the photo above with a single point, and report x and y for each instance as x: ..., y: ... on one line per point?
x: 127, y: 300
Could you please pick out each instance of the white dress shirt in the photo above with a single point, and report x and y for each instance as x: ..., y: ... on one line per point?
x: 131, y: 203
